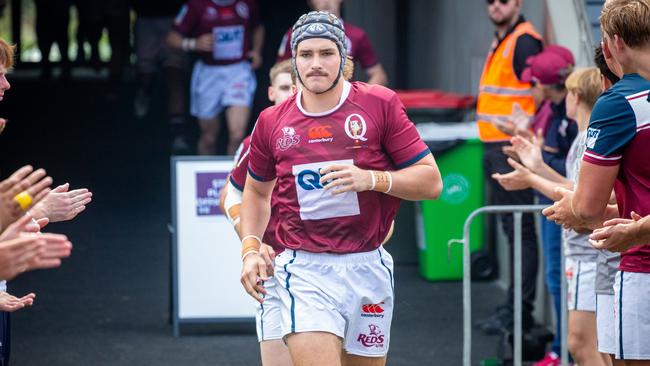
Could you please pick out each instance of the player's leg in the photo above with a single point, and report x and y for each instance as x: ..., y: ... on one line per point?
x: 238, y: 98
x: 353, y: 360
x: 207, y: 144
x: 275, y: 353
x: 311, y: 291
x: 206, y: 90
x: 237, y: 117
x: 582, y: 338
x: 273, y: 350
x: 315, y: 349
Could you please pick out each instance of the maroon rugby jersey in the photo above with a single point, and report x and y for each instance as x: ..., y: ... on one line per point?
x: 231, y: 26
x: 356, y: 42
x: 368, y: 128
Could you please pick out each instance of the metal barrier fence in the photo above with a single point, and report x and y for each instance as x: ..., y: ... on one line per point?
x: 517, y: 211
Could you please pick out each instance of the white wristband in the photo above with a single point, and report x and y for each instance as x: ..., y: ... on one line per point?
x: 374, y: 182
x: 390, y: 182
x: 251, y: 236
x: 249, y: 252
x: 188, y: 44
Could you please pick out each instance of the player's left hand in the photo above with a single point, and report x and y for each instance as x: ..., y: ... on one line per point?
x: 341, y: 178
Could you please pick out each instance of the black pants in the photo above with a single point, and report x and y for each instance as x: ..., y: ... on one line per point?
x: 5, y: 338
x: 495, y: 161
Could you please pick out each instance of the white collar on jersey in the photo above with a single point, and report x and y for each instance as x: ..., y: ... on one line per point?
x: 344, y: 96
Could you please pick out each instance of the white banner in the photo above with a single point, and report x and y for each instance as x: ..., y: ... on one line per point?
x: 206, y: 257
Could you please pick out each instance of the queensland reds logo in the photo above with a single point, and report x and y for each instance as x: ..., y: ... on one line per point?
x: 288, y: 139
x: 355, y: 127
x: 373, y: 339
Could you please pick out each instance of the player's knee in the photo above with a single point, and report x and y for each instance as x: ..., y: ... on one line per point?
x: 576, y: 342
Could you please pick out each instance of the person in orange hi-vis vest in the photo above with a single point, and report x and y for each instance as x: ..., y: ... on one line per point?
x: 502, y: 96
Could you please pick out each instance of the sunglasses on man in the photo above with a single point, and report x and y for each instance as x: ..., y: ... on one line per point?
x: 503, y: 2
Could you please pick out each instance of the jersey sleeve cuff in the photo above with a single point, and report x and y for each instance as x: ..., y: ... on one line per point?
x: 414, y: 159
x: 258, y: 177
x: 596, y: 159
x: 235, y: 184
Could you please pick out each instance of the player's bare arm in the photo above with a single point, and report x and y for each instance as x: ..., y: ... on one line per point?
x: 254, y: 218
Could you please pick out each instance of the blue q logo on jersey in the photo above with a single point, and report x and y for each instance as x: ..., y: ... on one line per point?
x: 317, y: 203
x: 309, y: 180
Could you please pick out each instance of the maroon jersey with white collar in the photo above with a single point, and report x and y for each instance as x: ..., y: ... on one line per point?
x: 368, y: 128
x: 231, y: 25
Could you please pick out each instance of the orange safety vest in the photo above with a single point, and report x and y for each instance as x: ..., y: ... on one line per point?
x: 500, y: 89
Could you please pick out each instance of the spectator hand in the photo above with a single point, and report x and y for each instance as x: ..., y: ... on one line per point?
x: 10, y: 303
x: 34, y: 183
x: 507, y: 127
x: 3, y: 124
x: 25, y: 224
x: 61, y: 204
x: 516, y: 180
x: 55, y: 248
x: 529, y: 154
x: 520, y: 119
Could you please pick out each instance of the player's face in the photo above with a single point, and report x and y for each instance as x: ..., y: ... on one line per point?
x: 4, y: 84
x: 502, y: 14
x: 318, y: 62
x: 572, y: 102
x: 282, y: 88
x: 332, y: 6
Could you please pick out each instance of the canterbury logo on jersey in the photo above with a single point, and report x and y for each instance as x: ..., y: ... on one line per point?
x: 317, y: 203
x: 320, y: 134
x: 372, y: 310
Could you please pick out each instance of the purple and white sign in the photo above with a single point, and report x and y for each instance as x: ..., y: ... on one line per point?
x: 208, y: 187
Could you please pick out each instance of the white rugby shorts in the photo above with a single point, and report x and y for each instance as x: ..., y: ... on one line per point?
x: 632, y: 315
x: 215, y: 88
x: 605, y: 323
x: 348, y: 295
x: 268, y: 319
x: 581, y: 285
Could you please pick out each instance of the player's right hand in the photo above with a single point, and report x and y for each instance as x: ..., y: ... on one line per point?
x: 205, y: 42
x: 253, y: 275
